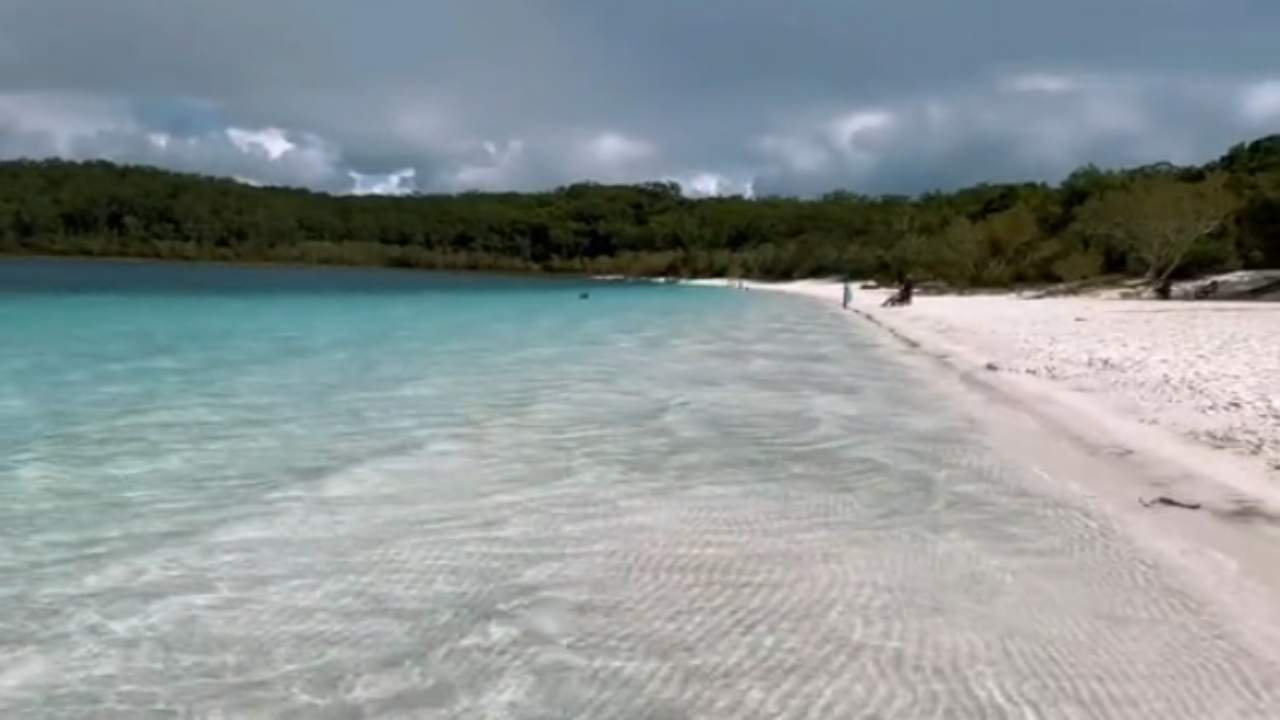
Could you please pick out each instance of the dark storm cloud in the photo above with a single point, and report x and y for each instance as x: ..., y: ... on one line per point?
x: 722, y: 95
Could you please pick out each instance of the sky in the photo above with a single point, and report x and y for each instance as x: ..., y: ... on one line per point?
x: 751, y: 97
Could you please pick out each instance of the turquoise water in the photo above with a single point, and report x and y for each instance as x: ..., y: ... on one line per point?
x: 244, y: 492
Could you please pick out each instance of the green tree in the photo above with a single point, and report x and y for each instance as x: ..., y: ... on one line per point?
x: 1161, y: 218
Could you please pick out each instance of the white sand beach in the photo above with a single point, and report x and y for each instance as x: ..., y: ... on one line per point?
x: 1116, y: 400
x: 1208, y: 371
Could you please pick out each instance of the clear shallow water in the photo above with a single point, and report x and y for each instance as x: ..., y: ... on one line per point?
x: 287, y: 493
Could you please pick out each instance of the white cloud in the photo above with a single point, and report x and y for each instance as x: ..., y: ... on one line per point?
x: 271, y: 142
x: 1060, y: 129
x: 399, y: 182
x: 607, y: 156
x: 312, y: 158
x: 82, y: 127
x: 970, y: 135
x: 1047, y: 83
x: 796, y: 153
x: 496, y: 165
x: 850, y: 132
x: 710, y: 184
x: 1260, y: 102
x: 631, y: 91
x: 937, y: 113
x: 47, y: 123
x: 861, y: 137
x: 1030, y: 126
x: 424, y: 124
x: 614, y: 150
x: 846, y: 145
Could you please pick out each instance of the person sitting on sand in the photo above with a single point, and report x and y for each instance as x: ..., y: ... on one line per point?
x: 902, y: 297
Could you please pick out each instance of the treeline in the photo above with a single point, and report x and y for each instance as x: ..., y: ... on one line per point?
x: 1157, y: 221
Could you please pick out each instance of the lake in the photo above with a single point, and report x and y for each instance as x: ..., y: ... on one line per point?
x: 251, y: 492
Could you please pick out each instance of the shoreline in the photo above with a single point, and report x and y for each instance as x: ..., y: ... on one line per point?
x: 982, y: 333
x: 1086, y: 446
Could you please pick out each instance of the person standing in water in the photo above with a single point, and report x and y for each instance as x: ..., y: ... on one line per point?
x: 848, y: 295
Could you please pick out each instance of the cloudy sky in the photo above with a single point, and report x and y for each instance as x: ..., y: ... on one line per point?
x: 723, y: 96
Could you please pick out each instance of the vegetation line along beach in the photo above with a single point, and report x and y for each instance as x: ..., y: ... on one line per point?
x: 1158, y: 221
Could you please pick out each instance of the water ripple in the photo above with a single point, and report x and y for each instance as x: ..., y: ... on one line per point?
x: 736, y: 509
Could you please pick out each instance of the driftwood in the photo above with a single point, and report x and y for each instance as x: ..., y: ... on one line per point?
x: 1264, y: 289
x: 1166, y: 500
x: 1240, y: 285
x: 1206, y: 291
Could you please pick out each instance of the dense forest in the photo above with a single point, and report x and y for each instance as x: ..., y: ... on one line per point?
x: 1156, y: 221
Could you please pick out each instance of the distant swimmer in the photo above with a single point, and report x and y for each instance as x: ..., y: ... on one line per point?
x: 583, y: 296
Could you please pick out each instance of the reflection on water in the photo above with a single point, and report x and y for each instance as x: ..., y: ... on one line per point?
x: 663, y: 502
